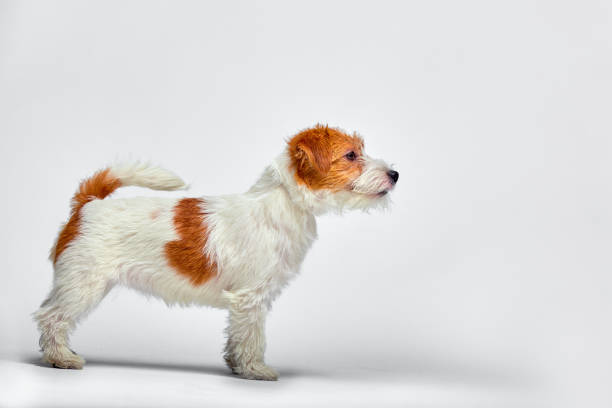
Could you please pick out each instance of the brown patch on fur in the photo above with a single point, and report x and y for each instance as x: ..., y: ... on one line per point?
x: 98, y: 186
x: 318, y: 157
x: 155, y: 214
x: 186, y: 254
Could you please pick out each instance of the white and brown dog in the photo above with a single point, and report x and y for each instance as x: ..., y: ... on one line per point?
x: 235, y: 252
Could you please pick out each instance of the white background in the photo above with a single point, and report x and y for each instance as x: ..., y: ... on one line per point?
x: 487, y: 283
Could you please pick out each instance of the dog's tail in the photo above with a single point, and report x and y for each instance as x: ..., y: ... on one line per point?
x: 105, y: 181
x: 147, y: 175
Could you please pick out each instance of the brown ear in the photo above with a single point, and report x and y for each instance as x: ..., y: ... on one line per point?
x: 318, y: 151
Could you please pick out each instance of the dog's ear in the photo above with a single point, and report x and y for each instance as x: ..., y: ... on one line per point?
x: 314, y: 146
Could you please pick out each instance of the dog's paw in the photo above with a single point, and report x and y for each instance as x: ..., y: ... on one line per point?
x: 229, y: 361
x: 256, y: 371
x: 65, y: 360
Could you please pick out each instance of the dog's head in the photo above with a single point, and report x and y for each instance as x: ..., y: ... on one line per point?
x: 333, y: 166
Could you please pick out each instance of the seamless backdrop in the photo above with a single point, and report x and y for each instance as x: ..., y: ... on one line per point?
x: 486, y: 283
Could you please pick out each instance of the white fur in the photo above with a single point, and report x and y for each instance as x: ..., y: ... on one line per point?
x: 147, y: 175
x: 258, y: 240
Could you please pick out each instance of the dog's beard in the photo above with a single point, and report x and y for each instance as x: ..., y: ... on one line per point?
x: 351, y: 200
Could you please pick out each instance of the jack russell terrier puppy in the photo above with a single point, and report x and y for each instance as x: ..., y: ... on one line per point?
x: 235, y: 252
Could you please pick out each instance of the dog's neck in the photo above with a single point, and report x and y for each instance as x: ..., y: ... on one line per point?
x: 280, y: 175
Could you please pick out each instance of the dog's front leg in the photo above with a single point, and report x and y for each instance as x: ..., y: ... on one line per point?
x: 246, y: 342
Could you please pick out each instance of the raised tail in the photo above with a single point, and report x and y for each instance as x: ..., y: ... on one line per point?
x: 103, y: 183
x: 146, y: 175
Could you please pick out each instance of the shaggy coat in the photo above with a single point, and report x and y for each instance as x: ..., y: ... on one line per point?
x: 235, y: 252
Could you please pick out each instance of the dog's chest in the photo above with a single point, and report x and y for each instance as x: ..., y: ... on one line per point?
x: 293, y: 240
x: 259, y: 243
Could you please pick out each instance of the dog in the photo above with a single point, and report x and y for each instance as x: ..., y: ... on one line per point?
x: 234, y: 252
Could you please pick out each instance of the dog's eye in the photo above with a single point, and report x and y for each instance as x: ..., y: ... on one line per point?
x: 350, y: 156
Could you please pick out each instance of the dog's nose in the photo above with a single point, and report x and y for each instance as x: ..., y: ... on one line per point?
x: 393, y: 175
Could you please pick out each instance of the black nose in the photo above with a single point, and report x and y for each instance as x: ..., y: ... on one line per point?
x: 393, y: 175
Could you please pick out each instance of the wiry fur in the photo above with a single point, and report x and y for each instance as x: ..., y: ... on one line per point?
x: 256, y: 240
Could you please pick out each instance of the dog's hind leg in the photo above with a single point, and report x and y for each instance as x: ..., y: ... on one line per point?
x: 74, y: 294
